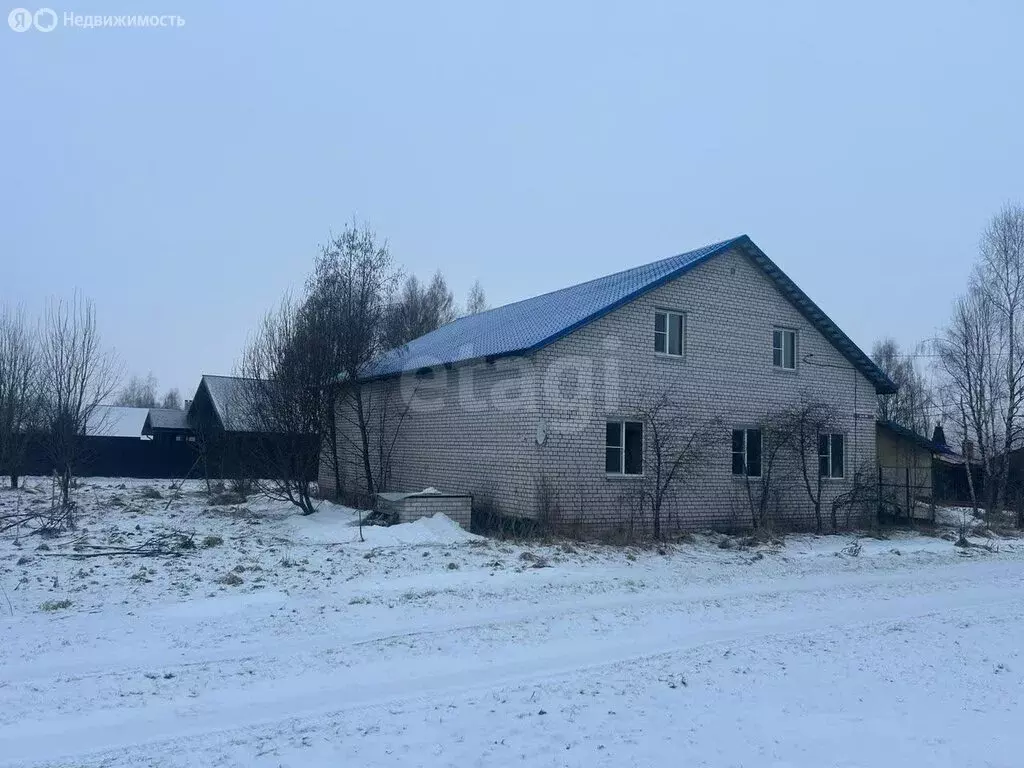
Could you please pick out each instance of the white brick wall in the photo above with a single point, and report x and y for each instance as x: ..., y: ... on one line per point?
x: 481, y: 438
x: 457, y: 508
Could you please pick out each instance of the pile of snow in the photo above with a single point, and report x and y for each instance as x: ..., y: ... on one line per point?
x: 955, y: 517
x: 340, y: 525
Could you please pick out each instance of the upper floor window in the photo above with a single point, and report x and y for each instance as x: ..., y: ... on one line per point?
x: 784, y: 348
x: 832, y: 455
x: 669, y: 332
x: 746, y: 452
x: 624, y: 448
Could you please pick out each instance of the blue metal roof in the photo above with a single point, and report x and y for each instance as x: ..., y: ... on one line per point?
x: 526, y: 326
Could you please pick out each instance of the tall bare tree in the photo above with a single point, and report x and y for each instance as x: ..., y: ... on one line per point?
x: 1000, y: 276
x: 139, y: 392
x: 476, y: 301
x: 763, y: 488
x: 171, y: 399
x: 19, y: 389
x: 76, y: 376
x: 284, y: 397
x: 807, y: 423
x: 912, y: 403
x: 417, y: 310
x: 970, y: 359
x: 678, y: 450
x: 348, y: 297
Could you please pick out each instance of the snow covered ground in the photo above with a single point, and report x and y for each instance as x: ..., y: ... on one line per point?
x: 288, y: 642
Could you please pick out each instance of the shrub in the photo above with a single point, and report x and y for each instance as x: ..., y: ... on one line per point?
x: 55, y: 605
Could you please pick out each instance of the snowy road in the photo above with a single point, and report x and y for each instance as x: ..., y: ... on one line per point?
x: 909, y: 666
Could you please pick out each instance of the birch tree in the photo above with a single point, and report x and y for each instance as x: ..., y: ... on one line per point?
x: 19, y: 389
x: 1000, y: 276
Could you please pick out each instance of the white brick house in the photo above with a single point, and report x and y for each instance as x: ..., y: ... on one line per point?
x: 533, y: 408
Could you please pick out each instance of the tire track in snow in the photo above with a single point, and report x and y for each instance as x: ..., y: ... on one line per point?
x: 143, y: 658
x: 229, y: 710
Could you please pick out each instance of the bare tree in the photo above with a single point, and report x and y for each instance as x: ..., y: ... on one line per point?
x: 284, y: 397
x: 19, y: 390
x: 762, y: 491
x: 911, y: 405
x: 171, y: 399
x: 1000, y: 276
x: 971, y: 360
x: 417, y: 310
x: 678, y: 451
x: 809, y: 423
x: 77, y: 374
x: 967, y: 459
x: 348, y: 297
x: 139, y: 392
x: 476, y: 301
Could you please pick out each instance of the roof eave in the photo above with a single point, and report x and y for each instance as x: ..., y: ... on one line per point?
x: 826, y: 326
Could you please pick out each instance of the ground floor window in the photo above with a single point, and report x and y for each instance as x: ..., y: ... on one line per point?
x: 624, y: 448
x: 746, y: 452
x: 832, y: 455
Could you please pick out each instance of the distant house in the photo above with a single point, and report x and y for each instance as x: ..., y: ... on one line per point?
x: 949, y: 472
x: 226, y: 434
x: 167, y: 425
x: 906, y: 470
x: 116, y: 444
x: 537, y: 408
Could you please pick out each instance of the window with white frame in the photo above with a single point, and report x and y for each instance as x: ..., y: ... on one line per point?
x: 832, y: 455
x: 784, y: 348
x: 624, y: 448
x: 669, y: 332
x: 746, y: 452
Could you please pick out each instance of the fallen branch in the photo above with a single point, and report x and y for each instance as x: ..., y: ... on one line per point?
x: 162, y: 545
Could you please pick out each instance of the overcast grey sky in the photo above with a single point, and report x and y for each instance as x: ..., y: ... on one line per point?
x: 182, y: 177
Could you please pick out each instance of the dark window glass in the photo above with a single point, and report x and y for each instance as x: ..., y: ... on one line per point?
x: 612, y: 460
x: 660, y: 332
x: 675, y: 336
x: 777, y: 348
x: 838, y: 449
x: 634, y: 448
x: 754, y: 452
x: 737, y: 463
x: 737, y: 441
x: 613, y: 434
x: 737, y: 451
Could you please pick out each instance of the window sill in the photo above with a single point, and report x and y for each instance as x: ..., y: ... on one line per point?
x: 618, y: 476
x: 780, y: 369
x: 669, y: 356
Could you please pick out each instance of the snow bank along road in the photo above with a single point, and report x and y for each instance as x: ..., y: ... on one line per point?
x: 903, y: 666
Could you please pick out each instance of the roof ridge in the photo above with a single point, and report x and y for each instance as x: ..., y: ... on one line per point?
x: 709, y: 247
x: 584, y: 302
x: 223, y: 376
